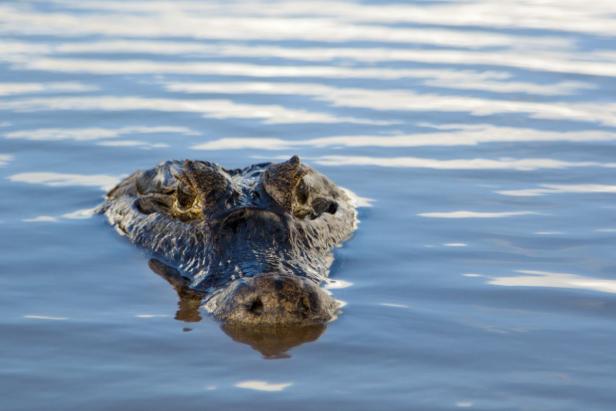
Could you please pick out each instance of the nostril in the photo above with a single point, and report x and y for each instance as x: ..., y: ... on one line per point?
x: 278, y: 284
x: 256, y: 307
x: 322, y: 205
x: 304, y: 306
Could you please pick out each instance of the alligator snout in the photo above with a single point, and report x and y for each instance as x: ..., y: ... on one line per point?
x: 273, y: 299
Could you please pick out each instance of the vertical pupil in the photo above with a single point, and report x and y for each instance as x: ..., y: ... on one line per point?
x: 301, y: 192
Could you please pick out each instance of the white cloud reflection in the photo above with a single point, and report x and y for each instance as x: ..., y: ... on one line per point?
x: 454, y: 135
x: 182, y: 20
x: 4, y: 159
x: 41, y: 219
x: 475, y: 214
x: 600, y: 63
x: 133, y: 143
x: 104, y: 182
x: 260, y: 385
x: 9, y: 89
x: 556, y: 15
x: 380, y: 100
x: 531, y: 278
x: 44, y: 317
x: 125, y: 29
x: 81, y: 214
x: 94, y: 66
x: 469, y: 39
x: 209, y: 108
x: 400, y: 100
x: 493, y: 81
x: 91, y: 134
x: 545, y: 189
x: 527, y: 164
x: 394, y: 305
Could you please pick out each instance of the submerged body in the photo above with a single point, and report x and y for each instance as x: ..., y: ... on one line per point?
x: 249, y: 245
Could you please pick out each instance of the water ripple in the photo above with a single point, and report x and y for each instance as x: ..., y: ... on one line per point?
x: 530, y: 278
x: 52, y: 179
x: 526, y: 164
x: 481, y: 135
x: 476, y: 214
x: 560, y: 188
x: 4, y: 159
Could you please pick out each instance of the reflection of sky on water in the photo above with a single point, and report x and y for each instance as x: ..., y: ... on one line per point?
x: 528, y: 164
x: 4, y: 159
x: 380, y: 100
x: 44, y: 317
x: 457, y: 135
x: 104, y: 182
x: 529, y: 278
x: 476, y: 214
x: 89, y: 134
x: 560, y: 188
x: 259, y: 385
x: 73, y: 215
x: 221, y: 109
x: 479, y: 137
x: 9, y: 89
x: 452, y: 79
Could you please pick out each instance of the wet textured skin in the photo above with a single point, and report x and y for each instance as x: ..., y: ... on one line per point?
x: 251, y: 245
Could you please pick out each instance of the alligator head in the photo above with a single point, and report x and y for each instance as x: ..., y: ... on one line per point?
x: 251, y: 245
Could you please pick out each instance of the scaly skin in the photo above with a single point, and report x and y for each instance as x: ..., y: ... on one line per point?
x: 251, y: 246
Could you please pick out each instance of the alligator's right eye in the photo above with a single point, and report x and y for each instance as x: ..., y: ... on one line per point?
x: 301, y: 192
x: 185, y: 198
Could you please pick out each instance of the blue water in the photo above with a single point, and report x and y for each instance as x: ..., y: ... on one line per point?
x: 480, y: 135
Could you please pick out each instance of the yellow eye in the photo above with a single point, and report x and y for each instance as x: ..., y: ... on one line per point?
x: 281, y: 179
x: 302, y: 192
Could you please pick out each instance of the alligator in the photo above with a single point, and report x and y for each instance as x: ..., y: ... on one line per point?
x: 252, y: 246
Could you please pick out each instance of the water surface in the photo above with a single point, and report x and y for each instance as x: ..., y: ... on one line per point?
x: 480, y: 134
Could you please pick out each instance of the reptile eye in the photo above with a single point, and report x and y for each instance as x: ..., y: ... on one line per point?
x: 185, y: 198
x: 301, y: 192
x: 204, y: 179
x: 280, y: 182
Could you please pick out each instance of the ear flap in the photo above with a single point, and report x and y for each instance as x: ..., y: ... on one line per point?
x: 203, y: 180
x: 281, y: 180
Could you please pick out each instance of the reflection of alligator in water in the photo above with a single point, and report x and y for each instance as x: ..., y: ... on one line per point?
x: 274, y: 342
x: 249, y: 245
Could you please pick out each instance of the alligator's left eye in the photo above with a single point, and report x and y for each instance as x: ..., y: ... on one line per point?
x: 282, y: 180
x: 299, y: 190
x: 302, y: 193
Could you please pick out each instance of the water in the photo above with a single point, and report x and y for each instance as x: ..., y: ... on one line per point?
x: 481, y: 135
